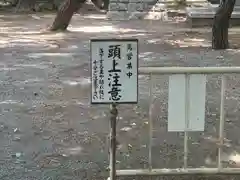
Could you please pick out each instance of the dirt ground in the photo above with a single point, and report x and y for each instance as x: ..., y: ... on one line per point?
x: 50, y: 131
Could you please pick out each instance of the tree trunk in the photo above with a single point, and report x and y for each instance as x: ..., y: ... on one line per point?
x: 106, y: 4
x: 25, y: 5
x: 221, y: 24
x: 98, y: 4
x: 65, y: 13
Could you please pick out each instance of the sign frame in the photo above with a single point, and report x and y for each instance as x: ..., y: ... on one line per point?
x: 137, y: 70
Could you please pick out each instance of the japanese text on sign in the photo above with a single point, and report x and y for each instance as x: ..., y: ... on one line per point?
x: 114, y: 71
x: 114, y: 52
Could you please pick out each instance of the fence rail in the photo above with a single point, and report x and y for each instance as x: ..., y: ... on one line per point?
x: 188, y: 70
x: 185, y: 170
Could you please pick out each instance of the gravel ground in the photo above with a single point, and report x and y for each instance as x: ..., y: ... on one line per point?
x: 48, y: 129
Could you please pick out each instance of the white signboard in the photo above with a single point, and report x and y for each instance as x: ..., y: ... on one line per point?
x: 114, y: 66
x: 186, y: 103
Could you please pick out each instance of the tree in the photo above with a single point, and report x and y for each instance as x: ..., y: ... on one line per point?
x: 66, y: 11
x: 105, y: 4
x: 25, y: 5
x: 221, y: 24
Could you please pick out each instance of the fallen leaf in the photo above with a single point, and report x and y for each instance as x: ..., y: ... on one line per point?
x: 16, y: 130
x: 18, y: 155
x: 126, y: 129
x: 133, y: 124
x: 129, y: 146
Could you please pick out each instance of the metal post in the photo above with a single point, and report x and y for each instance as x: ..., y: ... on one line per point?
x: 221, y: 124
x: 113, y: 118
x: 150, y: 124
x: 187, y: 77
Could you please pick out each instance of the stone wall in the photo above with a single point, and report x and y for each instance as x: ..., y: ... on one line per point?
x: 143, y: 9
x: 136, y: 9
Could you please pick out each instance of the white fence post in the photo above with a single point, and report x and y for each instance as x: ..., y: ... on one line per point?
x: 221, y: 124
x: 150, y: 122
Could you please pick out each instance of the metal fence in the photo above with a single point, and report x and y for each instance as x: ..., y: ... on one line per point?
x: 185, y: 170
